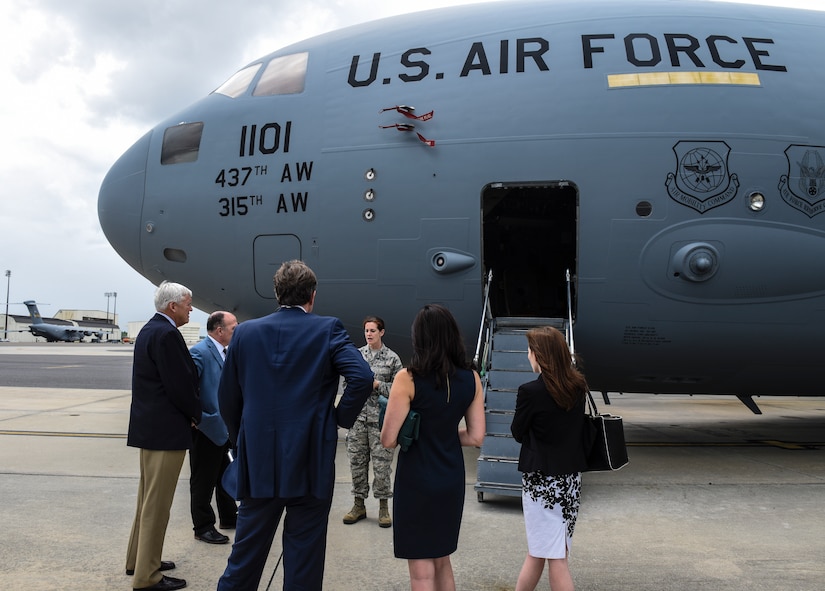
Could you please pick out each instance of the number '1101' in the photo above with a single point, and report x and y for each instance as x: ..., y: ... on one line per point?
x: 267, y: 140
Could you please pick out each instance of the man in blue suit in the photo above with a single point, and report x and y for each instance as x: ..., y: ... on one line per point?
x: 210, y: 439
x: 277, y: 396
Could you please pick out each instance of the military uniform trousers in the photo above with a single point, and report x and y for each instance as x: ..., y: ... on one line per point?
x: 363, y: 445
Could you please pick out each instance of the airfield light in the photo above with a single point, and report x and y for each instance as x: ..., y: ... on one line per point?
x: 8, y: 283
x: 108, y: 294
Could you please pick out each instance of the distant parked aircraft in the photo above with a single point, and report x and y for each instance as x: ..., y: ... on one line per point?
x: 56, y: 332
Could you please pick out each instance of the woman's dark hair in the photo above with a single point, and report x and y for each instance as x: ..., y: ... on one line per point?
x: 378, y: 321
x: 438, y: 348
x: 565, y: 383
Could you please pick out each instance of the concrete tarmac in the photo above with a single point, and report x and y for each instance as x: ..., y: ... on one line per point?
x: 714, y: 497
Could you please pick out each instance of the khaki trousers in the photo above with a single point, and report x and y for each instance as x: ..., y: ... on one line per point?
x: 159, y: 473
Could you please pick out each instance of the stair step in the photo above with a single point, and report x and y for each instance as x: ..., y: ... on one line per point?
x: 498, y: 422
x: 501, y: 400
x: 510, y: 341
x: 511, y: 360
x: 497, y: 472
x: 526, y: 322
x: 500, y: 447
x: 508, y: 380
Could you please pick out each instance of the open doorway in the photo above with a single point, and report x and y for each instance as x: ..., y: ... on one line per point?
x: 529, y: 236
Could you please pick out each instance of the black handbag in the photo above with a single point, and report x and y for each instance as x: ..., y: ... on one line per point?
x: 409, y: 429
x: 608, y: 450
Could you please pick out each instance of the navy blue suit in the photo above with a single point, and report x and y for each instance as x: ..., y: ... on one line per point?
x: 165, y: 399
x: 277, y: 396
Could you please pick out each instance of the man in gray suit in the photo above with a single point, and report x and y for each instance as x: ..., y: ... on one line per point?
x: 165, y: 405
x: 210, y: 439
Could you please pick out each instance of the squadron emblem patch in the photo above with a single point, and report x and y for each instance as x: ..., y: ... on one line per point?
x: 702, y: 180
x: 803, y: 188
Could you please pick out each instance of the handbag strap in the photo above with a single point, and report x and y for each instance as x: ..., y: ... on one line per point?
x: 590, y: 407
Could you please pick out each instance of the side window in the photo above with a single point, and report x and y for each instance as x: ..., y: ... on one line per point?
x: 283, y: 75
x: 181, y: 143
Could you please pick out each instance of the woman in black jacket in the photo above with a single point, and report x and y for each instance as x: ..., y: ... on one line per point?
x: 550, y: 425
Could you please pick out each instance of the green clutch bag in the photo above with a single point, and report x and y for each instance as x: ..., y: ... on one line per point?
x: 409, y: 430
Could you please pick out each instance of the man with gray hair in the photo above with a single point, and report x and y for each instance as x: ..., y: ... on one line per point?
x: 165, y: 406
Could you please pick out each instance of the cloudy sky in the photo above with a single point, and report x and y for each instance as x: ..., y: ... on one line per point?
x: 82, y: 80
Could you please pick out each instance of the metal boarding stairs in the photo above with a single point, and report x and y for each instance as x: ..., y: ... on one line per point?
x: 502, y: 360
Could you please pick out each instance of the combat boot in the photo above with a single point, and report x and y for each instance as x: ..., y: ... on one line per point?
x: 384, y: 519
x: 357, y: 513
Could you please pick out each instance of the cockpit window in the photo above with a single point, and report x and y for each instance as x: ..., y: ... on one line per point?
x: 181, y: 143
x: 283, y: 75
x: 239, y: 82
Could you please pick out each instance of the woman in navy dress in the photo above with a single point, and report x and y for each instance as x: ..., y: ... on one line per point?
x: 550, y: 425
x: 429, y: 479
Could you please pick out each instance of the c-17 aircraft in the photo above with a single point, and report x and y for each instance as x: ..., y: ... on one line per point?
x: 56, y: 332
x: 666, y: 157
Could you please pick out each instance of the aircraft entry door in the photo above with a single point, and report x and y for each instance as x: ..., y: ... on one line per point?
x: 529, y: 241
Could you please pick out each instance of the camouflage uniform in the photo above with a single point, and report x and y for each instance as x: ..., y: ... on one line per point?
x: 364, y: 438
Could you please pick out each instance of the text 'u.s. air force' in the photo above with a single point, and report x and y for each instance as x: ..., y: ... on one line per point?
x: 637, y: 50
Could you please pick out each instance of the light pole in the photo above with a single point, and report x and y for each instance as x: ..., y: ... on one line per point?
x: 108, y: 294
x: 8, y: 283
x: 114, y: 313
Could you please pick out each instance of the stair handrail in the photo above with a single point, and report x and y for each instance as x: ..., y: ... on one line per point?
x: 569, y: 330
x: 486, y: 315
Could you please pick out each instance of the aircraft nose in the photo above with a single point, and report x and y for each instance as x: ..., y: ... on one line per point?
x: 120, y: 202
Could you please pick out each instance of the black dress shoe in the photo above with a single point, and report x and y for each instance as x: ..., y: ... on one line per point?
x: 165, y: 584
x: 212, y: 536
x: 164, y: 565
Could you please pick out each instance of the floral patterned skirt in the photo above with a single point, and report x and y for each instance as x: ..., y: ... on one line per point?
x: 551, y: 505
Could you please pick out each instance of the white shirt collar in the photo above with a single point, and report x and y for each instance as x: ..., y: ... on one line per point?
x: 218, y: 346
x: 169, y: 319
